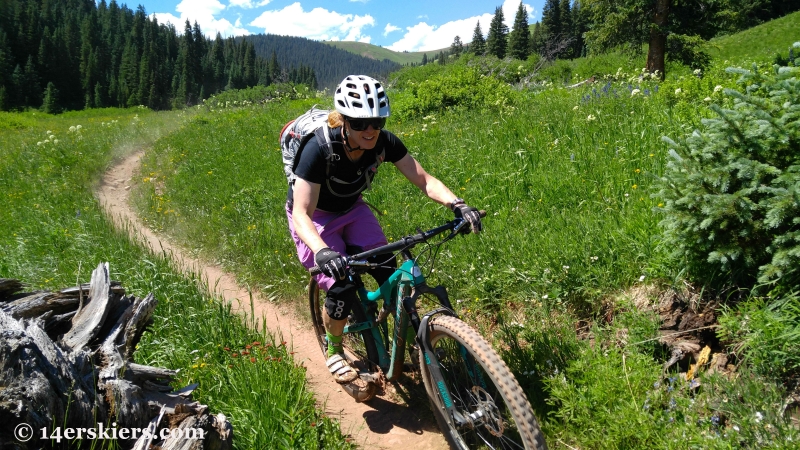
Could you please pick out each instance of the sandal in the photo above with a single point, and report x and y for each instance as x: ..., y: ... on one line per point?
x: 340, y: 369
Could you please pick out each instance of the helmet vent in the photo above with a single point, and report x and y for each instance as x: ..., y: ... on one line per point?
x: 381, y: 94
x: 358, y: 104
x: 371, y: 103
x: 354, y: 95
x: 366, y: 88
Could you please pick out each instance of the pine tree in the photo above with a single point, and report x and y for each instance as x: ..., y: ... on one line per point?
x: 478, y: 45
x: 50, y: 104
x: 519, y: 40
x: 565, y: 21
x: 456, y: 47
x: 424, y: 59
x: 442, y: 58
x: 497, y: 41
x: 551, y: 19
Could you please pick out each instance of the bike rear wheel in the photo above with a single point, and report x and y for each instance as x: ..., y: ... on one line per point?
x: 480, y: 387
x: 360, y: 344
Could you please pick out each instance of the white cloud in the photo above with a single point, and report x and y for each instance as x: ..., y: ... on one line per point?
x: 424, y: 37
x: 510, y: 12
x: 318, y: 23
x: 202, y: 12
x: 248, y: 4
x: 390, y: 29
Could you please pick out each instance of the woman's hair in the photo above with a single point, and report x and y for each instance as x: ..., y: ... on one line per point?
x: 335, y: 119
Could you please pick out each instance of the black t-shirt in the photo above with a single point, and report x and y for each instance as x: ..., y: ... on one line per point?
x: 339, y: 189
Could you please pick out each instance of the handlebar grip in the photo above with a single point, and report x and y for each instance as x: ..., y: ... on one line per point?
x: 315, y: 270
x: 482, y: 213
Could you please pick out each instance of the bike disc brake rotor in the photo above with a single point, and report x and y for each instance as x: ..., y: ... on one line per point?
x: 486, y: 412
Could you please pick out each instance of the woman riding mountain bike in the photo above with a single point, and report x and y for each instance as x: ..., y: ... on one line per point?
x: 328, y: 219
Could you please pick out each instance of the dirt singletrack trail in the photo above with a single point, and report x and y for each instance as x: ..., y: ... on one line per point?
x: 379, y: 423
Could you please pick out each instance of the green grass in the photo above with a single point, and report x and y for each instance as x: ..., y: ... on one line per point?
x: 53, y: 232
x: 380, y: 53
x: 759, y: 43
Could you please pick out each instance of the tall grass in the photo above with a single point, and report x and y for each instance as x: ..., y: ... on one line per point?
x: 53, y: 232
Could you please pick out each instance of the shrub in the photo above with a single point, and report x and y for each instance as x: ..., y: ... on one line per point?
x: 458, y: 86
x: 731, y: 190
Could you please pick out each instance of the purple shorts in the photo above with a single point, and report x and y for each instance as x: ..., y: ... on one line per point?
x: 356, y: 227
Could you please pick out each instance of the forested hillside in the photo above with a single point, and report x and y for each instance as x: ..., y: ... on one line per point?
x: 330, y: 64
x: 74, y: 54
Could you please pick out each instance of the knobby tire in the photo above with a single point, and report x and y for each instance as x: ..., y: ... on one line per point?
x: 514, y: 425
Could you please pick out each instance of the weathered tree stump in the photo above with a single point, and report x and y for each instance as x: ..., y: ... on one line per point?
x: 66, y: 362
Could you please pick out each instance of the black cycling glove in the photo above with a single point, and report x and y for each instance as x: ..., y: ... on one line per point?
x: 468, y: 213
x: 331, y: 263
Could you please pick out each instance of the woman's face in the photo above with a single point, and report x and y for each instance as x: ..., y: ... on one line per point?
x: 364, y: 140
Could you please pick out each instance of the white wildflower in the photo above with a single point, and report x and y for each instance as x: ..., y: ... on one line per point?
x: 575, y: 108
x: 591, y: 117
x: 678, y: 91
x: 635, y: 92
x: 707, y: 99
x: 641, y: 278
x: 717, y: 88
x: 759, y: 416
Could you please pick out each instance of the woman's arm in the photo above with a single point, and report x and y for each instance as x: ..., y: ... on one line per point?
x: 427, y: 183
x: 306, y: 195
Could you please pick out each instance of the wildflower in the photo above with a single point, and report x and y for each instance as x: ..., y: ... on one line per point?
x: 591, y: 117
x: 635, y: 186
x: 697, y: 72
x: 593, y: 258
x: 759, y: 416
x: 717, y: 88
x: 575, y: 108
x: 565, y: 267
x: 55, y: 141
x: 735, y: 428
x: 707, y: 99
x: 227, y: 349
x: 635, y: 92
x: 253, y: 360
x: 641, y: 278
x: 678, y: 91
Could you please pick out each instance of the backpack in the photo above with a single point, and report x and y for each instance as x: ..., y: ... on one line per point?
x: 314, y: 124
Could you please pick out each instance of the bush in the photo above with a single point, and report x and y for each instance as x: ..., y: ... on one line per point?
x: 459, y: 86
x: 730, y: 191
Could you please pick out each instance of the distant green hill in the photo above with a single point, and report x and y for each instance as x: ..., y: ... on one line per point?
x: 380, y: 53
x: 759, y: 42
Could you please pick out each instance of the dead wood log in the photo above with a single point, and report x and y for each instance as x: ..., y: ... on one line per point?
x: 66, y: 359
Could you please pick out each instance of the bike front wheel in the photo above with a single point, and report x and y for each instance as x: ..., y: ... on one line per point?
x: 481, y: 388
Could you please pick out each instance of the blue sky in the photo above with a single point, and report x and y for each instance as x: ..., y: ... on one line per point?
x: 400, y: 25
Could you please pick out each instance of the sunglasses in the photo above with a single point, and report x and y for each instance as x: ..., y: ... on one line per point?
x: 363, y: 124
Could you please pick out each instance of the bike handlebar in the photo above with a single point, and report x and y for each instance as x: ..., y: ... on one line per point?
x: 404, y: 243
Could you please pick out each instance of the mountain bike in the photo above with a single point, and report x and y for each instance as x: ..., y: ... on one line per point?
x: 475, y: 398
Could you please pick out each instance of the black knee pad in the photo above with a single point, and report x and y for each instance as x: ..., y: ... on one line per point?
x: 340, y: 299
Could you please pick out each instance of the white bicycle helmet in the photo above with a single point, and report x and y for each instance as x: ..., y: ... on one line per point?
x: 361, y: 97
